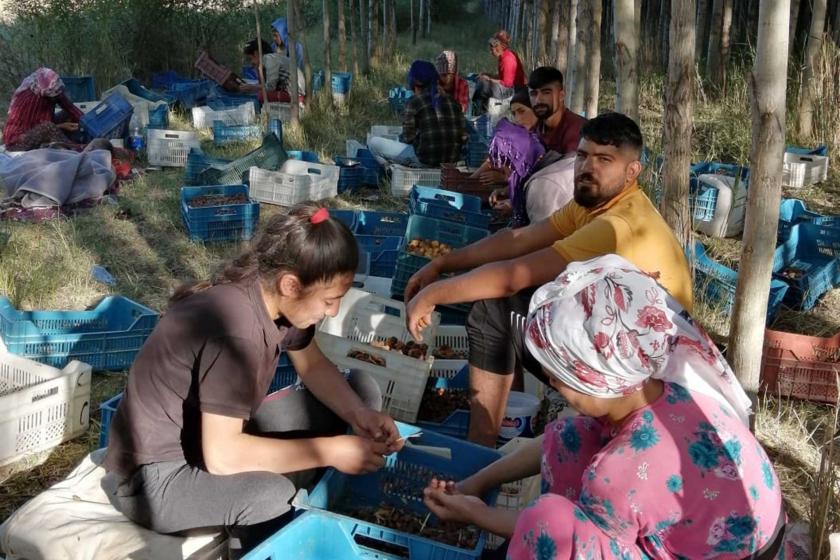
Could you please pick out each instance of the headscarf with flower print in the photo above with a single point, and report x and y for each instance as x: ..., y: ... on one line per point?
x: 43, y: 82
x: 603, y: 327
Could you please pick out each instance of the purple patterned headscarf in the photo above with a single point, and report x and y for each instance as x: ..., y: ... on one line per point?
x: 519, y: 150
x: 424, y: 73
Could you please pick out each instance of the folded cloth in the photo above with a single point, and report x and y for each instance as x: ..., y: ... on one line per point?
x: 73, y: 520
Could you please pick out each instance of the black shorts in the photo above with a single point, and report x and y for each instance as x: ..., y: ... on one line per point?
x: 496, y: 328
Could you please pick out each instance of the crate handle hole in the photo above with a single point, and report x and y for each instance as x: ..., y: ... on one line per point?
x: 392, y: 549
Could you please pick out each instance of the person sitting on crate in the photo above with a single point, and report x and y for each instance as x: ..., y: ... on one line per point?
x: 275, y: 70
x: 558, y: 126
x: 510, y: 77
x: 540, y: 181
x: 280, y: 34
x: 434, y: 127
x: 451, y: 83
x: 661, y: 462
x: 196, y: 442
x: 609, y: 213
x: 520, y: 108
x: 31, y: 121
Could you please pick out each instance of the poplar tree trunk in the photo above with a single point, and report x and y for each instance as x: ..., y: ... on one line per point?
x: 413, y: 27
x: 571, y: 57
x: 664, y: 30
x: 713, y: 53
x: 562, y: 50
x: 393, y: 45
x: 429, y: 17
x: 593, y: 65
x: 812, y: 52
x: 627, y: 53
x: 768, y: 81
x: 555, y: 32
x: 725, y: 45
x: 577, y: 85
x: 354, y: 37
x: 342, y: 38
x: 294, y: 112
x: 307, y: 66
x: 363, y: 35
x: 676, y: 130
x: 327, y: 50
x: 373, y: 29
x: 794, y: 20
x: 545, y: 37
x: 701, y: 32
x: 421, y: 16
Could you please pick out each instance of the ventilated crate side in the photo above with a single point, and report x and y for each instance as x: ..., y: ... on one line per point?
x: 40, y: 406
x: 170, y: 148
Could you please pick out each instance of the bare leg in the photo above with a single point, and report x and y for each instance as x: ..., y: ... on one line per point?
x: 488, y: 400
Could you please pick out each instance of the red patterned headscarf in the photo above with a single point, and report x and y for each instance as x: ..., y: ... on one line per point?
x: 43, y: 82
x: 603, y: 327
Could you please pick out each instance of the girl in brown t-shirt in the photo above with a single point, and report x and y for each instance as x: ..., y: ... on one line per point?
x: 195, y: 442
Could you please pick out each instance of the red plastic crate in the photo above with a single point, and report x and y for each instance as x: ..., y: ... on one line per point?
x: 453, y: 179
x: 213, y: 70
x: 800, y: 366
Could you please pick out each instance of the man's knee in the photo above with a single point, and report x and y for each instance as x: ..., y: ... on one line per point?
x: 264, y: 496
x: 367, y: 388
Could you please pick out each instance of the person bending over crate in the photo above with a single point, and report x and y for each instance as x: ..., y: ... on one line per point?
x: 520, y: 109
x: 660, y: 464
x: 434, y: 127
x: 196, y: 442
x: 32, y: 121
x: 609, y: 214
x: 275, y: 69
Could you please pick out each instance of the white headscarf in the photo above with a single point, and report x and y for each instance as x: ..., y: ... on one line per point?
x: 603, y: 327
x: 43, y: 82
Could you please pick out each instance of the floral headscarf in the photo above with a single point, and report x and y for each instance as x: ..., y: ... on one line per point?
x: 447, y: 62
x: 519, y: 150
x: 603, y: 327
x: 42, y: 82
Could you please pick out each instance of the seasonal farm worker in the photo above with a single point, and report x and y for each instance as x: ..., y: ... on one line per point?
x: 609, y: 213
x: 510, y: 76
x: 434, y: 127
x: 275, y: 68
x: 31, y: 121
x: 661, y: 463
x: 196, y: 442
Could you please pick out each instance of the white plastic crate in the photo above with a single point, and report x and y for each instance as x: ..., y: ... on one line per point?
x: 365, y: 317
x: 170, y: 148
x: 239, y: 115
x: 802, y: 170
x: 282, y: 111
x: 40, y: 406
x: 454, y: 336
x: 498, y: 108
x: 404, y: 178
x: 402, y: 380
x: 296, y: 182
x: 730, y: 206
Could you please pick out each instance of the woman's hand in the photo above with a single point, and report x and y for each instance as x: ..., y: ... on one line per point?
x: 445, y: 501
x: 492, y: 177
x: 356, y: 455
x: 376, y: 426
x: 498, y: 196
x: 68, y: 126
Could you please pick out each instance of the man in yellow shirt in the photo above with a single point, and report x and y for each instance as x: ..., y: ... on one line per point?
x: 609, y: 214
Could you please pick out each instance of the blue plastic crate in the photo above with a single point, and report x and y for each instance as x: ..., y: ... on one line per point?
x: 398, y: 98
x: 821, y: 150
x: 197, y: 162
x: 190, y: 93
x: 249, y: 73
x: 407, y: 265
x: 229, y: 222
x: 457, y: 424
x: 275, y: 127
x: 107, y: 337
x: 340, y: 81
x: 303, y: 155
x: 136, y: 88
x: 702, y: 200
x: 718, y: 282
x: 351, y: 173
x: 453, y: 234
x: 109, y: 119
x: 284, y: 376
x: 227, y: 134
x: 79, y: 88
x: 811, y: 250
x: 162, y: 80
x: 446, y: 205
x: 792, y: 211
x: 408, y: 471
x: 383, y: 251
x: 159, y: 117
x: 369, y: 222
x: 219, y: 98
x: 374, y: 173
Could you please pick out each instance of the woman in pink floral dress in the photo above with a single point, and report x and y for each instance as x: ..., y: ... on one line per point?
x: 661, y: 463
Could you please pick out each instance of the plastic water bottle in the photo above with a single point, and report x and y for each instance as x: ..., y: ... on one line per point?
x: 135, y: 140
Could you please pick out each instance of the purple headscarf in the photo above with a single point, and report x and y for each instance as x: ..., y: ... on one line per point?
x: 519, y: 150
x: 425, y: 73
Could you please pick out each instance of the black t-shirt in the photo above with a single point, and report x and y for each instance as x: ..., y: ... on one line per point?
x: 215, y: 351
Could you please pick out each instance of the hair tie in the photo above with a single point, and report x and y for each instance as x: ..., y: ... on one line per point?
x: 322, y: 215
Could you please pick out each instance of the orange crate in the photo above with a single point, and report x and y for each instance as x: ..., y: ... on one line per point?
x: 213, y: 70
x: 453, y: 179
x: 800, y: 366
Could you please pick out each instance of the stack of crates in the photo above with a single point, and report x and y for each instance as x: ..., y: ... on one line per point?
x: 373, y: 172
x: 479, y: 132
x: 445, y: 217
x: 792, y: 211
x: 351, y: 173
